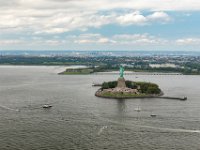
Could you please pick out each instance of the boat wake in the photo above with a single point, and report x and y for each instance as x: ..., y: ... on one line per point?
x: 170, y: 129
x: 156, y: 129
x: 7, y: 108
x: 101, y: 130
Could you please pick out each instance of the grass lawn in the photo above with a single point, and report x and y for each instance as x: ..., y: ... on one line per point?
x: 122, y: 95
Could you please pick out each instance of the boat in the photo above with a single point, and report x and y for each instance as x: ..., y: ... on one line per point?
x: 138, y: 109
x: 153, y: 115
x: 47, y: 106
x: 184, y: 98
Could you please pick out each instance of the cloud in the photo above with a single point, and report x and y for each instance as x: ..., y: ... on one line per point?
x: 136, y: 18
x: 10, y: 42
x: 159, y: 16
x: 91, y: 39
x: 138, y: 39
x: 8, y: 3
x: 119, y: 39
x: 60, y: 16
x: 29, y: 18
x: 155, y: 5
x: 60, y: 21
x: 97, y: 42
x: 132, y: 18
x: 188, y: 41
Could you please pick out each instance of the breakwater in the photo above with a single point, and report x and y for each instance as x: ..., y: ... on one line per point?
x: 173, y: 98
x: 96, y: 84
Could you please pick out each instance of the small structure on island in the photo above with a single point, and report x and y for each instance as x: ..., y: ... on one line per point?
x: 121, y: 81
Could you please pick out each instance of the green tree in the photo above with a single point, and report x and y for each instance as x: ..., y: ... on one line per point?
x: 105, y: 85
x: 153, y: 90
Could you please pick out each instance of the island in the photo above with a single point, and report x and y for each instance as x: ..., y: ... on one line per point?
x: 122, y: 89
x: 77, y: 71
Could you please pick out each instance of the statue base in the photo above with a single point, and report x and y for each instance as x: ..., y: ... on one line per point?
x: 121, y: 82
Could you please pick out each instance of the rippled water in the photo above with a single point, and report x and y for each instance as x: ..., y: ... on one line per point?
x: 79, y: 120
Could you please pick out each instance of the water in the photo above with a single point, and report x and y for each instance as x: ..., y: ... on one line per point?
x: 79, y: 120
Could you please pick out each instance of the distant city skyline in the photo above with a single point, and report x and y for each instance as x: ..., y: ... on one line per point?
x: 100, y: 53
x: 167, y: 25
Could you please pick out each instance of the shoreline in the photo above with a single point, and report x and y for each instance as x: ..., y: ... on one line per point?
x: 97, y: 73
x: 143, y: 97
x: 99, y: 94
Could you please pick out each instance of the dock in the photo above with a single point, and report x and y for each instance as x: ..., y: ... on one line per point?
x: 96, y: 84
x: 175, y: 98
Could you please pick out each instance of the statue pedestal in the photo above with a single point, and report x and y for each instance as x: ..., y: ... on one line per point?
x: 121, y: 82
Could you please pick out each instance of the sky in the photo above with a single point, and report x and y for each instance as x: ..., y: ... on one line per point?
x: 162, y: 25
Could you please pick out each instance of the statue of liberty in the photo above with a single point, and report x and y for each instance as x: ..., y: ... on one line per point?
x: 121, y: 71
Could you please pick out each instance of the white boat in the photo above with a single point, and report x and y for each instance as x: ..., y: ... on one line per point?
x: 47, y: 106
x: 138, y: 109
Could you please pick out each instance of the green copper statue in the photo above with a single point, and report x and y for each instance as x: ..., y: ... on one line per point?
x: 121, y: 71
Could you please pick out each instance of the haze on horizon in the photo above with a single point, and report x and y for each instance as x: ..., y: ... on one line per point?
x: 100, y: 25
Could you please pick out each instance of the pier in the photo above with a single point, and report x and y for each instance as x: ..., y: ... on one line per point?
x: 96, y: 84
x: 175, y: 98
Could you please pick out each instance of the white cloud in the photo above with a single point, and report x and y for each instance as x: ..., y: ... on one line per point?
x: 132, y: 18
x: 56, y: 22
x: 55, y: 17
x: 119, y: 39
x: 136, y: 39
x: 136, y: 18
x: 54, y: 42
x: 31, y: 18
x: 91, y: 39
x: 164, y: 5
x: 10, y: 42
x: 97, y: 41
x: 188, y: 41
x: 9, y: 21
x: 159, y: 16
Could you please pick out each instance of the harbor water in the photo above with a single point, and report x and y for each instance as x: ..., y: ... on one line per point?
x: 79, y: 120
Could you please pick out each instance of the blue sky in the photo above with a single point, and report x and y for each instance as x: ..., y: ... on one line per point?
x: 100, y: 25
